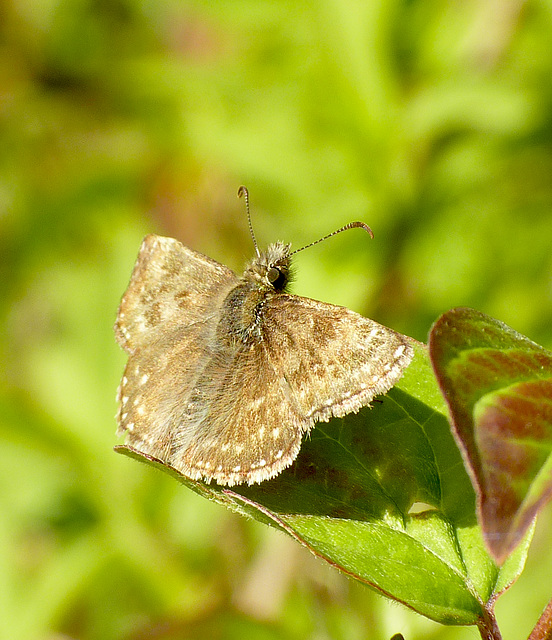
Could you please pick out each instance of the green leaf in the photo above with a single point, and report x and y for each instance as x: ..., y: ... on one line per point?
x: 383, y: 496
x: 498, y: 385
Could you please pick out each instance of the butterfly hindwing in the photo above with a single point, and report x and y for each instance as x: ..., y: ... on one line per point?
x: 243, y: 427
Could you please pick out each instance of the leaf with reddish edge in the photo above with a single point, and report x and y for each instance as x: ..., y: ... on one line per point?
x: 498, y: 386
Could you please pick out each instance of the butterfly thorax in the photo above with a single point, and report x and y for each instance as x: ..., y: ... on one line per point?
x: 265, y: 276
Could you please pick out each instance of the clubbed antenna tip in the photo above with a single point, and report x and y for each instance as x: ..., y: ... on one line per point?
x: 351, y: 225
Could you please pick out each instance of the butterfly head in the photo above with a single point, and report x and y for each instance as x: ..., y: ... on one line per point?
x: 271, y: 268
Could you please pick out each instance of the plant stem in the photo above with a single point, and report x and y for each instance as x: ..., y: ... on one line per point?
x: 543, y: 628
x: 488, y: 628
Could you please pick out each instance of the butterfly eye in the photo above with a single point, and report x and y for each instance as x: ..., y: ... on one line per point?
x: 276, y: 277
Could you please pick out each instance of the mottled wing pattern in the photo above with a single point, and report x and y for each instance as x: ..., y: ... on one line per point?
x: 165, y: 322
x: 312, y: 361
x: 240, y: 426
x: 169, y: 283
x: 332, y: 360
x: 234, y: 408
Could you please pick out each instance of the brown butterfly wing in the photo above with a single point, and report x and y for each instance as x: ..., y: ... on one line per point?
x: 169, y: 284
x: 310, y: 361
x: 165, y: 322
x: 333, y: 360
x: 239, y: 425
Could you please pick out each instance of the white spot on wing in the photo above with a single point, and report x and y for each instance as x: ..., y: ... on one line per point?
x: 258, y: 401
x: 399, y: 351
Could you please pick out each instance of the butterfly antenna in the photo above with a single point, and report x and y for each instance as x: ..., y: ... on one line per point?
x: 351, y: 225
x: 243, y: 192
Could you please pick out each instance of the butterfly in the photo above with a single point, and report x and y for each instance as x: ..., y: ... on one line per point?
x: 226, y: 374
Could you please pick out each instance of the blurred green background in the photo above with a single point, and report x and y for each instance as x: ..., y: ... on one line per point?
x: 430, y: 120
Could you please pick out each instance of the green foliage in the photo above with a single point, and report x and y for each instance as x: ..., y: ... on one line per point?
x: 429, y: 120
x: 351, y: 495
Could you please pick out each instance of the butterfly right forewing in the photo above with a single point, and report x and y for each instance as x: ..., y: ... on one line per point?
x: 310, y: 361
x: 332, y: 359
x: 169, y: 283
